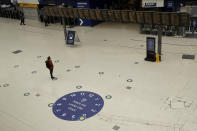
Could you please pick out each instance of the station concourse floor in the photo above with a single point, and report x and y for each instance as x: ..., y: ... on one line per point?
x: 160, y: 97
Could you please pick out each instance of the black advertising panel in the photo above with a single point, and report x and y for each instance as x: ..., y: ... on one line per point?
x: 151, y: 44
x: 150, y: 49
x: 70, y: 39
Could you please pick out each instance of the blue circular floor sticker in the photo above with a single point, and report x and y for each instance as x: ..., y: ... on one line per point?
x: 78, y: 106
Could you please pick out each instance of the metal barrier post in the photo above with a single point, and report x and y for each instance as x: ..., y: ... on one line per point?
x: 159, y: 42
x: 64, y: 26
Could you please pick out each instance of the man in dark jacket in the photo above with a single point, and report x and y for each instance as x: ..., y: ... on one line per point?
x: 45, y: 20
x: 22, y: 17
x: 49, y: 65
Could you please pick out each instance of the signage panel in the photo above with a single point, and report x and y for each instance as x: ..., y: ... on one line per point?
x: 152, y: 3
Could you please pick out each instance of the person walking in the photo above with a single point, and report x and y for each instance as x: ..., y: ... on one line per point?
x: 49, y: 65
x: 45, y: 20
x: 22, y: 18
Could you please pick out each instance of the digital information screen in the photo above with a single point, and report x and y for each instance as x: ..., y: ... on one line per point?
x: 150, y: 49
x: 151, y: 44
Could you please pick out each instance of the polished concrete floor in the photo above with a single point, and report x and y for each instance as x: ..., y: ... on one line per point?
x: 160, y: 97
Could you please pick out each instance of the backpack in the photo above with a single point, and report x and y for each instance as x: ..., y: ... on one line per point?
x: 48, y: 64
